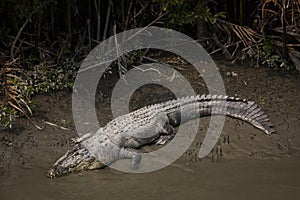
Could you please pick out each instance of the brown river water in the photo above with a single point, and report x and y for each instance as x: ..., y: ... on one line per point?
x: 252, y: 179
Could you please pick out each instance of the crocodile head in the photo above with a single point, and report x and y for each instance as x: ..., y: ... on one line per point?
x: 75, y: 160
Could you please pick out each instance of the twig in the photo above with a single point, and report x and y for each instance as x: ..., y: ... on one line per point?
x: 128, y: 13
x: 34, y: 124
x: 139, y: 13
x: 151, y: 59
x: 150, y: 24
x: 226, y: 46
x: 107, y: 20
x: 98, y: 20
x: 32, y: 45
x: 89, y: 33
x: 61, y: 127
x: 117, y: 47
x: 227, y: 54
x: 20, y: 31
x: 149, y: 69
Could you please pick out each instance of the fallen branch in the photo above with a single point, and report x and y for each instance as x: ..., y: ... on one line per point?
x: 61, y: 127
x: 227, y: 54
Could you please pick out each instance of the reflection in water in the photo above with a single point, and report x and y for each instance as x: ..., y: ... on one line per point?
x: 249, y: 179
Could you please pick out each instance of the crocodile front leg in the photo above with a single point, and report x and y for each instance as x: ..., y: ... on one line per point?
x: 133, y: 155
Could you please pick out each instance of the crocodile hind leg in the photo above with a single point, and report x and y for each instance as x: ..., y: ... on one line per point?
x: 133, y: 155
x: 167, y: 134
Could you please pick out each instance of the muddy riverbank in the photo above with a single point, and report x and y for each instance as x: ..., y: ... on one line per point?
x: 252, y: 165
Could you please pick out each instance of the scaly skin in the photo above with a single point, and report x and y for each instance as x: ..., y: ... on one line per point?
x: 121, y: 136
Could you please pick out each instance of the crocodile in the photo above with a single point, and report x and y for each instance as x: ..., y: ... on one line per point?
x: 120, y: 138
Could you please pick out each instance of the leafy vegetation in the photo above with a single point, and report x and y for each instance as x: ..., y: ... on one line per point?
x: 268, y: 56
x: 43, y: 42
x: 19, y: 85
x: 182, y: 12
x: 274, y: 37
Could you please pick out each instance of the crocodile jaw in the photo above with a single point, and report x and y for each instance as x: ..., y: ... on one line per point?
x: 55, y: 171
x: 76, y: 160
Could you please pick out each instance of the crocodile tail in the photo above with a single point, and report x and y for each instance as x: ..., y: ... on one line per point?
x: 205, y: 105
x: 239, y: 108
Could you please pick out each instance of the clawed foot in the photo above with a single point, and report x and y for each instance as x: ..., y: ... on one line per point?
x: 136, y: 160
x: 133, y: 155
x: 163, y: 139
x: 217, y: 153
x: 167, y: 134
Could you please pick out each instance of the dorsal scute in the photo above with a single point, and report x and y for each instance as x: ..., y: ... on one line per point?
x: 214, y: 96
x: 208, y: 96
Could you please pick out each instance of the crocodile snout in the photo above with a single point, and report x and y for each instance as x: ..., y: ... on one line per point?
x: 51, y: 173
